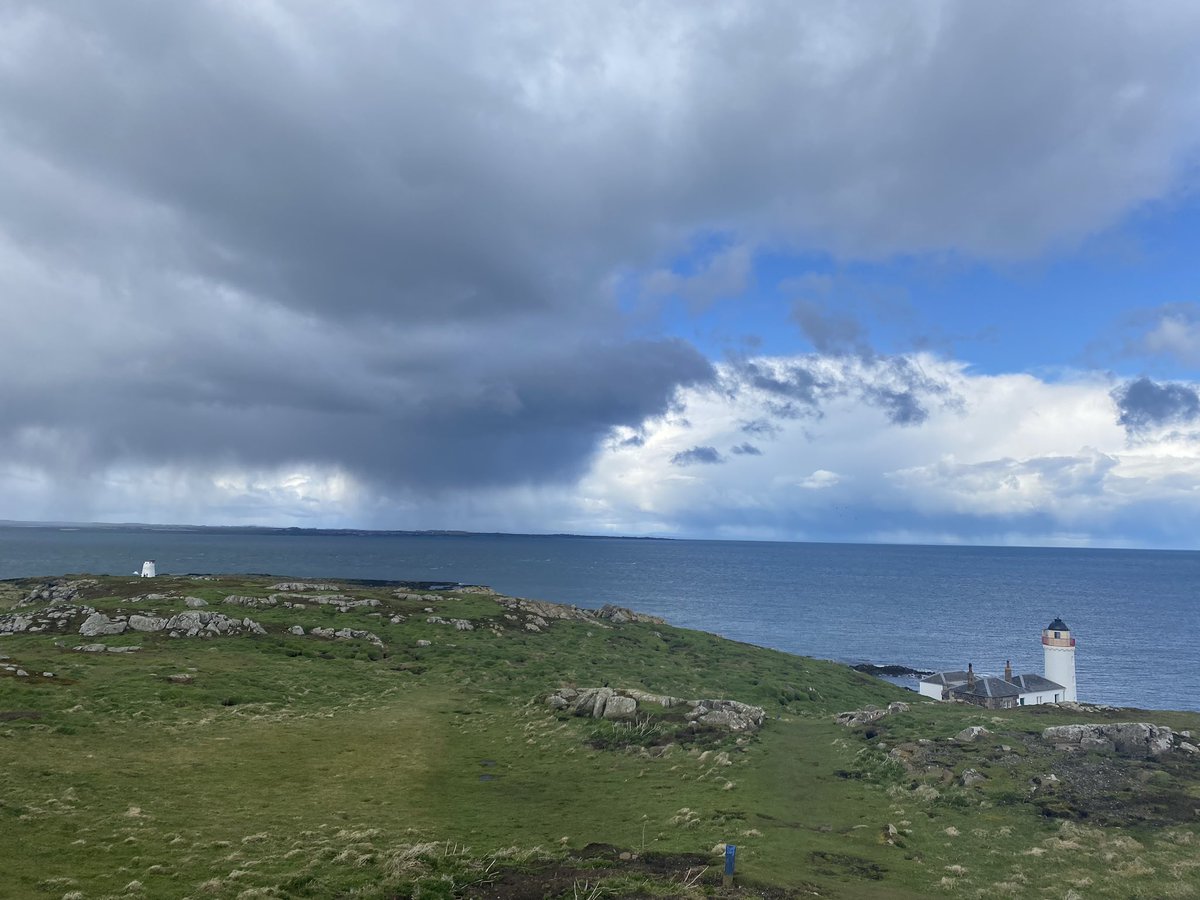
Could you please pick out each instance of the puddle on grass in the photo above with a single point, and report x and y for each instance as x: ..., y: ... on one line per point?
x: 486, y: 777
x: 487, y: 762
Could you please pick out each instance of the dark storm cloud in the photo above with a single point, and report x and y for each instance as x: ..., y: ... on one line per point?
x: 746, y: 449
x: 798, y: 389
x: 761, y: 427
x: 794, y: 382
x: 384, y: 236
x: 1144, y: 404
x: 697, y: 455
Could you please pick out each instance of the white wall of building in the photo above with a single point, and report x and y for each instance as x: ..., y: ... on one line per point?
x: 1060, y: 667
x: 930, y: 690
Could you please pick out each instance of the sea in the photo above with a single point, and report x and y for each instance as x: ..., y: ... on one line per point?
x: 1134, y: 613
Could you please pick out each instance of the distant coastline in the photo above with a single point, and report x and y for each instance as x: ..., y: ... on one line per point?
x: 322, y: 532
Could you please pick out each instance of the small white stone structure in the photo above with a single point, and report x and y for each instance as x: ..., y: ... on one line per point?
x: 148, y: 569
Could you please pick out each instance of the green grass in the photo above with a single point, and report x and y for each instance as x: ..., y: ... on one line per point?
x: 301, y: 767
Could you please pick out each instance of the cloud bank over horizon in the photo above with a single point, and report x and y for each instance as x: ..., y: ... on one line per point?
x: 673, y: 269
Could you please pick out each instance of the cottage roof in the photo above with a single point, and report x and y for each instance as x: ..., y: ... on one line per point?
x: 986, y: 686
x: 945, y: 678
x: 1057, y: 625
x: 1033, y: 682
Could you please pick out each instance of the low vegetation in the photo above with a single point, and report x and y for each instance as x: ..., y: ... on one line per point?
x: 421, y: 759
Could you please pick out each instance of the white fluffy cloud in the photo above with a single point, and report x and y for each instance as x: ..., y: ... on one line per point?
x: 1006, y: 458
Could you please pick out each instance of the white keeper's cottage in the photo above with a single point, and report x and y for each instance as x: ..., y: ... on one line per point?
x: 993, y: 692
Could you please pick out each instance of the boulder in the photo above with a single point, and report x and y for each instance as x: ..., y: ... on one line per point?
x: 897, y: 706
x: 971, y: 776
x: 971, y: 734
x: 860, y: 716
x: 619, y: 707
x: 296, y: 629
x: 147, y: 623
x: 194, y: 602
x: 603, y: 695
x: 97, y: 624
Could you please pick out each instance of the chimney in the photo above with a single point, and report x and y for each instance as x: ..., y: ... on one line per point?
x: 1008, y: 670
x: 970, y: 675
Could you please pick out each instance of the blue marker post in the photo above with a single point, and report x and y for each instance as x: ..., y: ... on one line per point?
x: 730, y: 862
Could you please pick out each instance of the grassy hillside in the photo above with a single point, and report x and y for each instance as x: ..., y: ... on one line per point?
x: 287, y: 765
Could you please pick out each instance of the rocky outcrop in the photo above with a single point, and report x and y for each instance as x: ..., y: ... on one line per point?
x: 185, y: 624
x: 250, y: 602
x: 60, y: 590
x: 729, y: 714
x: 347, y: 634
x: 1141, y: 739
x: 619, y: 615
x: 15, y: 624
x: 869, y: 714
x: 104, y: 648
x: 98, y: 624
x: 304, y: 586
x: 546, y: 610
x: 340, y: 602
x: 620, y: 704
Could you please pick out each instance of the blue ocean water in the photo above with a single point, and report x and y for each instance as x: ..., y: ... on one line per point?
x: 1135, y: 613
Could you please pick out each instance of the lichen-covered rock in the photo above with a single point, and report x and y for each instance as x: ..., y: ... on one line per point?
x: 303, y: 586
x: 620, y: 703
x: 1141, y: 739
x: 729, y: 714
x: 863, y: 716
x: 147, y: 623
x: 618, y: 707
x: 249, y: 602
x: 971, y: 734
x: 14, y: 624
x: 59, y: 589
x: 619, y: 615
x: 98, y: 623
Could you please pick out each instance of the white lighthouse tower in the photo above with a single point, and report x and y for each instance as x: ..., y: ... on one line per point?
x: 148, y: 569
x: 1059, y: 649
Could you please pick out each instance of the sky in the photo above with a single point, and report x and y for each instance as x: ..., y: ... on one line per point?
x: 917, y: 272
